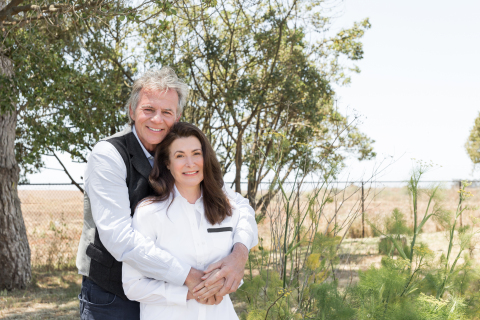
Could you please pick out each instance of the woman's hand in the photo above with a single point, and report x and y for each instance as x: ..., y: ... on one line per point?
x: 208, y: 295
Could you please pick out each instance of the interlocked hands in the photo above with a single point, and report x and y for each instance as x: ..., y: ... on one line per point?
x: 220, y: 278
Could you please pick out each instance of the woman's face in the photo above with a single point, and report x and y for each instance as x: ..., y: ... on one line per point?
x: 186, y: 162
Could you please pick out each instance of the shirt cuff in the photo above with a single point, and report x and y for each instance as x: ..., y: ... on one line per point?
x: 177, y: 295
x: 244, y: 238
x: 178, y: 273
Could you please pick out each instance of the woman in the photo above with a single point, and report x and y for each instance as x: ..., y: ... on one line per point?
x: 190, y: 217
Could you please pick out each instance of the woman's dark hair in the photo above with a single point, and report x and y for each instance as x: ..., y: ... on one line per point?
x: 215, y: 201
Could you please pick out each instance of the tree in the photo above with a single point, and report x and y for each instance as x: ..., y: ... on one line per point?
x: 472, y: 145
x: 256, y: 78
x: 46, y: 84
x: 261, y: 90
x: 14, y: 250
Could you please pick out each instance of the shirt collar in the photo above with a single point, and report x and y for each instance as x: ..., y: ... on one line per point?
x: 147, y: 154
x: 177, y: 195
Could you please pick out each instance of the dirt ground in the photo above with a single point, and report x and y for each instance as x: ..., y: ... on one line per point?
x: 51, y: 295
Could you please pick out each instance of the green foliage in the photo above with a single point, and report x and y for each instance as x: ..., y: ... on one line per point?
x: 70, y: 83
x: 325, y: 248
x: 65, y: 101
x: 417, y: 285
x: 330, y: 303
x: 472, y: 146
x: 261, y: 91
x: 397, y: 224
x: 395, y: 227
x: 297, y: 278
x: 252, y: 69
x: 253, y: 290
x: 264, y: 292
x: 380, y: 295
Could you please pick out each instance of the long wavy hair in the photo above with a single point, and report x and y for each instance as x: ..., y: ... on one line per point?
x: 215, y: 201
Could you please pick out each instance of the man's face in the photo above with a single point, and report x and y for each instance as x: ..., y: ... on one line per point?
x: 155, y: 114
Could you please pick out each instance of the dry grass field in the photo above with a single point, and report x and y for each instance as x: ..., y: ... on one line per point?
x: 53, y: 220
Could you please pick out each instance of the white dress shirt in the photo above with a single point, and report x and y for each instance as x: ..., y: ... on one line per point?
x: 173, y: 227
x: 105, y: 185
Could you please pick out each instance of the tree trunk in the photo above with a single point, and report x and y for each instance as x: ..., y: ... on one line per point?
x: 15, y: 270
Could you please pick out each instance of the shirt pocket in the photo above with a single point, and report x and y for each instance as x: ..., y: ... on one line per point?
x: 220, y: 239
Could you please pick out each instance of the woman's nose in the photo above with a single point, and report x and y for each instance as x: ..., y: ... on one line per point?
x: 189, y: 161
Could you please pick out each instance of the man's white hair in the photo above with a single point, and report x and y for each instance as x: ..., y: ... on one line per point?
x: 162, y: 80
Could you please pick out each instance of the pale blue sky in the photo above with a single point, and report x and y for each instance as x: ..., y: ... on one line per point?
x: 419, y: 89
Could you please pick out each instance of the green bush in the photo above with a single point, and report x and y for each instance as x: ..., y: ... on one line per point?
x: 296, y: 279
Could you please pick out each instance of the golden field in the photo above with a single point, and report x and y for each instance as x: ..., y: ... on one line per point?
x: 53, y: 218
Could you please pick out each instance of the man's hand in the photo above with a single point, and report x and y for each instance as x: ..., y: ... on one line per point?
x: 204, y: 292
x: 232, y: 268
x: 206, y: 296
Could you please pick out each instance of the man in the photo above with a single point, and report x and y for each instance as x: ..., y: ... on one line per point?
x: 116, y: 179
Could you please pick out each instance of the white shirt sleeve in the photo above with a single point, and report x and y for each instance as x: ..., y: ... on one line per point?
x: 105, y: 185
x: 246, y: 231
x: 140, y: 288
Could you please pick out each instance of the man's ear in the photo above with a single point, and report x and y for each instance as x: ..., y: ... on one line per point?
x: 132, y: 115
x: 178, y: 118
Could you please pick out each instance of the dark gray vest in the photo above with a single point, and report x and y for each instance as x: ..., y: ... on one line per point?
x: 104, y: 269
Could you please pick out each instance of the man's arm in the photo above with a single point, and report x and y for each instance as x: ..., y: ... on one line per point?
x: 232, y: 267
x: 105, y: 185
x: 246, y: 231
x: 150, y: 291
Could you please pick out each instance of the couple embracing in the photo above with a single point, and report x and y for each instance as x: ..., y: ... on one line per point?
x: 163, y: 238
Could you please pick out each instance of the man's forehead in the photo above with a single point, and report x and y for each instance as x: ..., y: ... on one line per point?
x: 150, y: 94
x: 157, y: 92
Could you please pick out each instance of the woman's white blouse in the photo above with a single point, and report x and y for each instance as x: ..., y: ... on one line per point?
x: 174, y: 228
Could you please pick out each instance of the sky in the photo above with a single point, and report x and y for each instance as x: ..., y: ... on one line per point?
x: 419, y: 86
x: 418, y: 91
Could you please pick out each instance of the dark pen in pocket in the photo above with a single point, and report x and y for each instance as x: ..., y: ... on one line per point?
x: 210, y: 230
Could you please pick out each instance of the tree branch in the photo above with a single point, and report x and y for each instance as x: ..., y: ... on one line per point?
x: 66, y: 171
x: 10, y: 10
